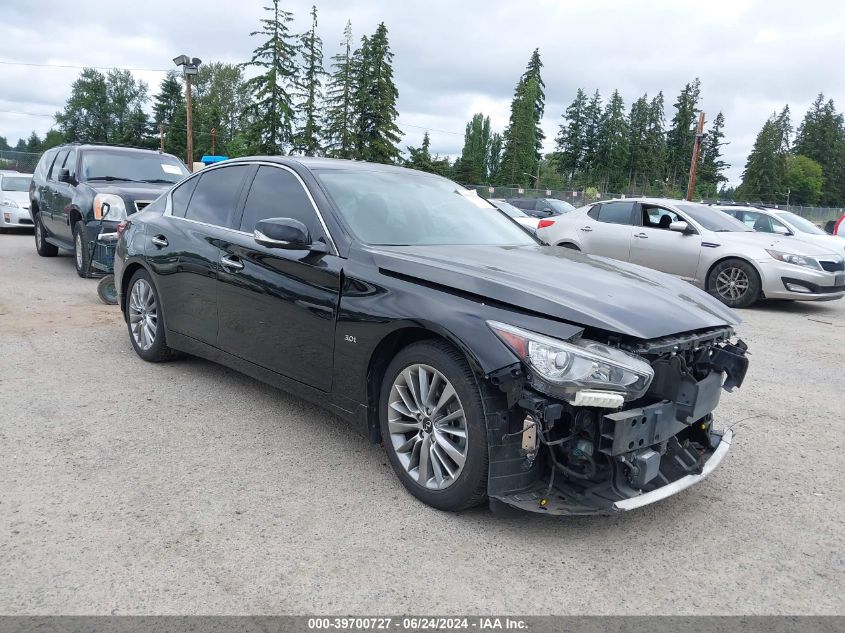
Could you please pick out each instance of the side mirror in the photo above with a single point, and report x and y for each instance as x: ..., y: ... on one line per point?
x: 680, y: 227
x: 285, y: 233
x: 64, y: 175
x: 781, y: 230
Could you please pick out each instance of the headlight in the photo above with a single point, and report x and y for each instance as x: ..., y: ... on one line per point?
x: 8, y: 203
x: 112, y: 205
x: 565, y: 368
x: 798, y: 260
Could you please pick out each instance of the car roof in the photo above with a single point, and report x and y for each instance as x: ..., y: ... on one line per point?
x: 104, y: 147
x: 320, y: 163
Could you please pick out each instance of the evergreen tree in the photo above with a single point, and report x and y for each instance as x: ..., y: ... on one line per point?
x: 420, y: 157
x: 33, y: 143
x: 168, y: 105
x: 765, y: 171
x: 473, y: 166
x: 821, y: 137
x: 639, y: 152
x: 711, y: 167
x: 532, y: 71
x: 310, y: 132
x: 681, y: 135
x: 340, y: 122
x: 592, y: 131
x: 656, y: 142
x: 376, y: 135
x: 519, y: 156
x: 613, y: 145
x: 569, y: 144
x: 271, y: 109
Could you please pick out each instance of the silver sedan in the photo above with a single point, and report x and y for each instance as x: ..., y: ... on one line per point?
x: 704, y: 246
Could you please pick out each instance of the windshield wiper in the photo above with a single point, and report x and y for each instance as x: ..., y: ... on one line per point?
x: 157, y: 180
x: 111, y: 178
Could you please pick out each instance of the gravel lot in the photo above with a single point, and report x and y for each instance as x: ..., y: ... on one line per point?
x: 186, y: 488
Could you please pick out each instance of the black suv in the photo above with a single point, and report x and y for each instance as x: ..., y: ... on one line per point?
x: 73, y: 185
x: 541, y: 207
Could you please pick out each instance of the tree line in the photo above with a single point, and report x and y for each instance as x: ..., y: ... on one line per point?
x: 294, y: 102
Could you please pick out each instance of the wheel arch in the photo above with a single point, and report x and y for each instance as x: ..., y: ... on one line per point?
x: 568, y: 243
x: 128, y: 272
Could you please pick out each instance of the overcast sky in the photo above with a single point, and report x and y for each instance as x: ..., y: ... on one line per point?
x: 454, y: 58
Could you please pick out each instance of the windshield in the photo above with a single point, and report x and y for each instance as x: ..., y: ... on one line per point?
x: 713, y: 219
x: 15, y: 183
x: 508, y: 209
x: 560, y: 206
x: 131, y: 167
x: 404, y: 208
x: 801, y: 224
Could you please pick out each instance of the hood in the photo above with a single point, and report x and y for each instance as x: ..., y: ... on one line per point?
x: 563, y: 284
x: 131, y: 190
x: 23, y: 197
x: 828, y: 243
x: 785, y: 243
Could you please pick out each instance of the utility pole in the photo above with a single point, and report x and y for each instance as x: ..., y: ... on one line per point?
x: 213, y: 132
x: 696, y: 151
x: 161, y: 137
x: 190, y: 67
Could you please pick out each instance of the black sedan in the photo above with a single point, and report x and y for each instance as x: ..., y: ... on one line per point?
x: 490, y: 366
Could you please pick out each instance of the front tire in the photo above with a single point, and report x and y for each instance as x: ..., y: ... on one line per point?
x: 735, y: 283
x: 145, y: 320
x: 42, y: 246
x: 81, y: 254
x: 432, y: 420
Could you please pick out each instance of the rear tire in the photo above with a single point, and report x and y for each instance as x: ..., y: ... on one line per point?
x: 145, y: 319
x: 735, y: 283
x: 81, y: 253
x: 454, y: 474
x: 42, y: 246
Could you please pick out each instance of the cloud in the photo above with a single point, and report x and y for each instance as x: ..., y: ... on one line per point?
x: 456, y: 58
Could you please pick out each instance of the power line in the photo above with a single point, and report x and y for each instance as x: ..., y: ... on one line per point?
x: 37, y: 65
x: 25, y: 113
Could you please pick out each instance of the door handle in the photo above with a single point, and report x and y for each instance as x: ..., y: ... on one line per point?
x: 586, y: 229
x: 231, y: 263
x: 159, y: 240
x: 642, y: 236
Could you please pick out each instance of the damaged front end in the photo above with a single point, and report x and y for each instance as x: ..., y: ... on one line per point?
x: 595, y: 427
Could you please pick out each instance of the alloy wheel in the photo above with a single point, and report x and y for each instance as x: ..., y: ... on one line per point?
x: 732, y: 283
x: 428, y: 429
x: 143, y: 314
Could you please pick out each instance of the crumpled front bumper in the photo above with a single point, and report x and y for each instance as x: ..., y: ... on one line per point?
x: 680, y: 484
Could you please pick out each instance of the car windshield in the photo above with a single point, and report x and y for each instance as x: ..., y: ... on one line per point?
x: 130, y: 166
x: 713, y: 219
x: 15, y: 183
x: 410, y: 209
x: 801, y: 224
x: 508, y: 209
x: 560, y: 206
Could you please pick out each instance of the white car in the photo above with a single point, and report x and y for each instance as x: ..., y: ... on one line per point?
x: 705, y: 246
x: 14, y: 201
x: 764, y: 220
x: 529, y: 222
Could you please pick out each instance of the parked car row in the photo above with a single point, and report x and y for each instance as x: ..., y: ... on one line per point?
x: 710, y: 247
x: 490, y: 365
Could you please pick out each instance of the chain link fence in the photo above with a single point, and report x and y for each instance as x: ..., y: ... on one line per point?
x: 819, y: 215
x: 23, y: 162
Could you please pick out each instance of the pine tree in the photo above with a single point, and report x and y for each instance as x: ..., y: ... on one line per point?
x: 375, y: 100
x: 494, y: 158
x: 681, y: 135
x: 639, y: 152
x: 532, y: 71
x: 340, y: 121
x: 473, y: 166
x: 519, y: 156
x: 592, y: 131
x: 613, y: 145
x: 821, y: 137
x: 765, y: 172
x: 168, y: 104
x: 307, y: 138
x: 271, y: 109
x: 656, y: 142
x: 569, y: 144
x: 711, y: 168
x: 420, y: 157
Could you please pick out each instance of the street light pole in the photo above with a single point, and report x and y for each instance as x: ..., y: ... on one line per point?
x: 190, y: 67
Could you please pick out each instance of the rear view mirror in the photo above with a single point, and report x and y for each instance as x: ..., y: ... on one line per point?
x: 780, y: 230
x: 679, y: 226
x: 285, y: 233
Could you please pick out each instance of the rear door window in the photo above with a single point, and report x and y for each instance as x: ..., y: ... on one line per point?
x: 57, y: 165
x: 216, y: 194
x: 616, y: 212
x: 181, y: 196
